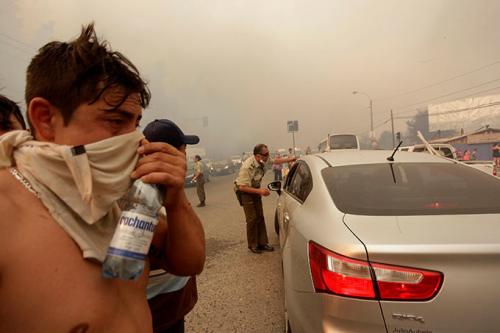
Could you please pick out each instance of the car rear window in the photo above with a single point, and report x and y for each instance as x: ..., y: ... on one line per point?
x: 412, y: 189
x: 343, y: 142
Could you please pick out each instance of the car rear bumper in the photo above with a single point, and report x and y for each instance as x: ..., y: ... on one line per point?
x: 316, y: 312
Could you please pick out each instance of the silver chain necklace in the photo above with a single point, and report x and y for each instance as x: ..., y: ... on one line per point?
x: 23, y: 181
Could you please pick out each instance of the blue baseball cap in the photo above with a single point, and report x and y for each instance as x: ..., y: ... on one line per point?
x: 164, y: 130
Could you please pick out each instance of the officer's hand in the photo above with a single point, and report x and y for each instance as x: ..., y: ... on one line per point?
x: 264, y: 192
x: 162, y: 164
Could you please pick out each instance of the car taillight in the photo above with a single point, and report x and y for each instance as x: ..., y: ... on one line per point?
x: 340, y: 275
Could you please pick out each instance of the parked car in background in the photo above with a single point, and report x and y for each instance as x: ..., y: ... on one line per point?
x: 188, y: 180
x: 236, y: 159
x: 373, y: 245
x: 222, y: 167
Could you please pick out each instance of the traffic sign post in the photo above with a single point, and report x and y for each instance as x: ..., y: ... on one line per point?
x: 293, y: 126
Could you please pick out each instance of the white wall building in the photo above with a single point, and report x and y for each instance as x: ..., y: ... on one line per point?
x: 469, y: 114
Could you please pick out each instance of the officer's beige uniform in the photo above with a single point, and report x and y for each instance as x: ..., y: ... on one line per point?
x: 251, y: 173
x: 200, y: 181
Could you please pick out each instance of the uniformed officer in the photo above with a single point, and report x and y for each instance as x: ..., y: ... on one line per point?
x: 200, y: 180
x: 247, y: 187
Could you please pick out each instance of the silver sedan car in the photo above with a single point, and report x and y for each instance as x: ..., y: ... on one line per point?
x: 371, y: 244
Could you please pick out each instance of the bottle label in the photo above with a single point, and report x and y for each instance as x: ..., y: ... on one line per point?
x: 133, y: 235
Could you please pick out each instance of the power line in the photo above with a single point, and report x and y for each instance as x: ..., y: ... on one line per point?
x: 446, y: 95
x: 443, y: 112
x: 441, y: 82
x: 455, y: 111
x: 464, y: 96
x: 31, y: 48
x: 7, y: 43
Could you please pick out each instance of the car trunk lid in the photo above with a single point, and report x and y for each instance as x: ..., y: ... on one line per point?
x: 465, y: 248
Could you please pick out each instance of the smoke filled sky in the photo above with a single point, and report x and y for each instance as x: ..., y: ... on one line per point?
x: 249, y: 66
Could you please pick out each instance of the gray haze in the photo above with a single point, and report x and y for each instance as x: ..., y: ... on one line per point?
x: 249, y: 66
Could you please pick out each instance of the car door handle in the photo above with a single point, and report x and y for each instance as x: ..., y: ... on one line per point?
x: 286, y: 221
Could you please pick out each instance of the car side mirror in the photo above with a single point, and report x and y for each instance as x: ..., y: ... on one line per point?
x: 275, y: 186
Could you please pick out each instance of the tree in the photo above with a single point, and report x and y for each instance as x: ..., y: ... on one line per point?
x: 385, y: 140
x: 364, y: 141
x: 420, y: 122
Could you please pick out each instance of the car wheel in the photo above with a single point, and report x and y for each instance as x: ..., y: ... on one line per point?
x: 276, y: 224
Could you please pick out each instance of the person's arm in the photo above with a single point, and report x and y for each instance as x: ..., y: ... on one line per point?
x: 197, y: 172
x: 282, y: 160
x: 245, y: 179
x: 260, y: 191
x: 181, y: 239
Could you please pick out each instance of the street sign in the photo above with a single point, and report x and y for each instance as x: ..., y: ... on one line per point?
x: 293, y: 126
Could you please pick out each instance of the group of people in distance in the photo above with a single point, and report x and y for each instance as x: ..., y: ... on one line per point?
x: 60, y: 183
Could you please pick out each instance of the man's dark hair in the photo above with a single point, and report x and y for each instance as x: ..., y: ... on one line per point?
x: 80, y: 71
x: 7, y: 108
x: 197, y: 157
x: 258, y: 148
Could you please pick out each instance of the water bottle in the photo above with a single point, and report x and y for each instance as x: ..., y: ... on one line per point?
x: 129, y: 247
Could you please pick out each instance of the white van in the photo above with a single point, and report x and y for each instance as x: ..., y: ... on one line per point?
x: 339, y: 142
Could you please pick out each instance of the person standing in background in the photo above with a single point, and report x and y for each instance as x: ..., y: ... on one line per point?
x: 277, y: 168
x: 10, y: 116
x: 200, y: 180
x: 495, y: 150
x: 466, y: 155
x: 473, y: 155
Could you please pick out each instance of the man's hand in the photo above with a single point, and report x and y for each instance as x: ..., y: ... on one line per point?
x: 264, y: 192
x: 164, y: 165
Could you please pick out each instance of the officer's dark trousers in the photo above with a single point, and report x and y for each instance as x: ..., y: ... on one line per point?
x: 256, y: 226
x: 200, y: 188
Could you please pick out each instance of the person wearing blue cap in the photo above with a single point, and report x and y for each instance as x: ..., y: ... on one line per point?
x: 164, y: 130
x: 170, y: 297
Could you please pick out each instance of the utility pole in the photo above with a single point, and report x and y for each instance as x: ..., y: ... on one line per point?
x: 371, y: 118
x: 392, y: 126
x: 372, y: 135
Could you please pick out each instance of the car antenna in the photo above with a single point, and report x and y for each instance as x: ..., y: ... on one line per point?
x: 391, y: 158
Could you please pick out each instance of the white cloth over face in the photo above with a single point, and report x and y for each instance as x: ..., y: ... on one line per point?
x: 79, y: 185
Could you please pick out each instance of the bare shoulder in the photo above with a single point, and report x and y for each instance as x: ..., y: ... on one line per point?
x: 8, y: 202
x: 14, y: 201
x: 19, y: 209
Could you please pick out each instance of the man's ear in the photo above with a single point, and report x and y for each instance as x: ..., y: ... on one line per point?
x: 42, y: 115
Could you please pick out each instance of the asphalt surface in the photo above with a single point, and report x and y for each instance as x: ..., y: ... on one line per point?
x: 238, y: 291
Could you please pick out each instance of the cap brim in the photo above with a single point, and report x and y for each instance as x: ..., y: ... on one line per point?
x: 191, y: 139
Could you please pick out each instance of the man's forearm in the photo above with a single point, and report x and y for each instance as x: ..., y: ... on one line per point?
x: 185, y: 241
x: 248, y: 189
x: 285, y: 160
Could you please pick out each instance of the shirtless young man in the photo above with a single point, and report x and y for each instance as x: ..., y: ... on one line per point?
x: 80, y: 93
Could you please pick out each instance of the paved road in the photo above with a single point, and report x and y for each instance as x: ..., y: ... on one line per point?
x: 239, y: 291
